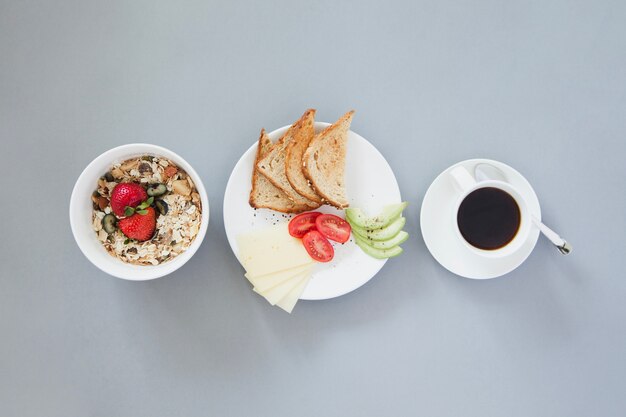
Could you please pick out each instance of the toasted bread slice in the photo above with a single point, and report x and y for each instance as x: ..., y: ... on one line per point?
x: 272, y: 165
x: 324, y: 162
x: 264, y: 194
x: 293, y: 161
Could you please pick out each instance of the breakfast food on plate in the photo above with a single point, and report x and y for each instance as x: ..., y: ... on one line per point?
x: 273, y: 165
x: 276, y: 264
x: 333, y: 227
x: 318, y: 247
x: 298, y: 173
x: 324, y: 162
x: 316, y: 229
x: 293, y: 159
x: 279, y: 259
x: 264, y: 194
x: 379, y: 236
x: 146, y: 210
x: 303, y: 223
x: 383, y: 219
x: 302, y: 170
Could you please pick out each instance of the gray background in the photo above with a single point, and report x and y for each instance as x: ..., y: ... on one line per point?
x: 539, y: 85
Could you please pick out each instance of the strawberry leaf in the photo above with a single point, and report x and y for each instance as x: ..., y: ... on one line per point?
x: 142, y: 212
x: 145, y: 204
x: 128, y: 211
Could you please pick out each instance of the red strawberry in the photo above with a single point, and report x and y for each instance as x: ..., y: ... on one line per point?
x: 126, y: 194
x: 139, y: 226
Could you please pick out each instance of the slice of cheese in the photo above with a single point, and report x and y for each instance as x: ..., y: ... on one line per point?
x: 277, y: 293
x: 265, y: 282
x: 271, y: 250
x: 290, y: 300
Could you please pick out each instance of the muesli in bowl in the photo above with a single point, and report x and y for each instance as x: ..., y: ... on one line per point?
x: 146, y: 210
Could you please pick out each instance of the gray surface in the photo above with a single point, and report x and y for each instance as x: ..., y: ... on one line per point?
x: 539, y: 85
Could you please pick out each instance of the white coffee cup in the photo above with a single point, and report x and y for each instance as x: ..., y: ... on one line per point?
x: 466, y: 184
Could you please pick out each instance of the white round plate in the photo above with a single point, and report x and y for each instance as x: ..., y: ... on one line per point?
x: 437, y: 223
x: 370, y: 185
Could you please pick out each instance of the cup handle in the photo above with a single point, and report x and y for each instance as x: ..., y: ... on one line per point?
x: 463, y: 180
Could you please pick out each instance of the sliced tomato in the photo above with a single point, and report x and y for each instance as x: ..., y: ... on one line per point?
x: 333, y: 227
x: 318, y: 247
x: 303, y: 223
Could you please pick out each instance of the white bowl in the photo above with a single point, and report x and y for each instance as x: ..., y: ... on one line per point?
x: 81, y: 214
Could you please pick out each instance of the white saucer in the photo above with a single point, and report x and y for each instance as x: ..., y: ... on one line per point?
x: 437, y: 223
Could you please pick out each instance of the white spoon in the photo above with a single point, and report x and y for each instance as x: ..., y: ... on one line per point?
x: 484, y: 172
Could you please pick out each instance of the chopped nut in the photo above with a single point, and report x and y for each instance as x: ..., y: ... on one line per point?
x: 181, y: 187
x: 97, y: 224
x: 145, y: 168
x: 103, y: 202
x: 129, y: 165
x: 170, y: 171
x: 117, y: 173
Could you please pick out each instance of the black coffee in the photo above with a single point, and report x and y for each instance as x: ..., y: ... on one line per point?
x: 488, y: 218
